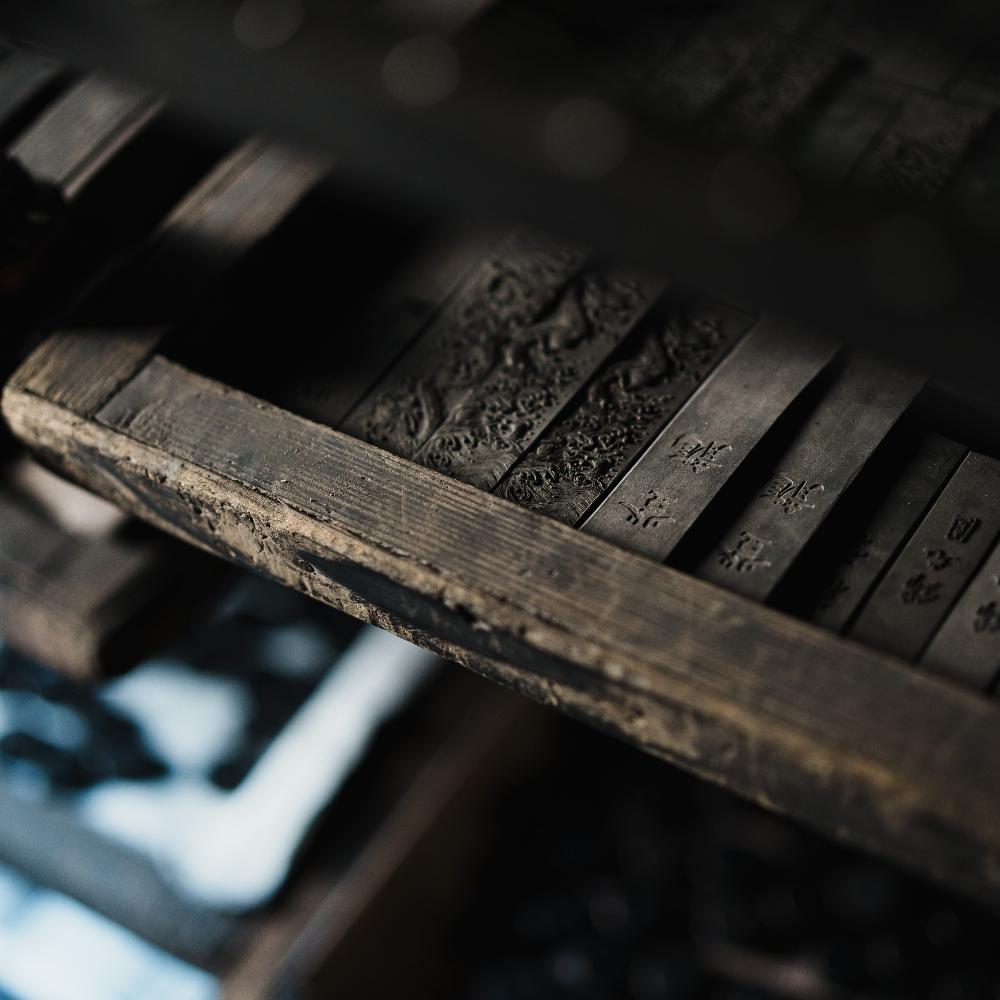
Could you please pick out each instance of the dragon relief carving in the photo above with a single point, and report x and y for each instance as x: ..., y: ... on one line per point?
x: 540, y: 367
x: 483, y: 327
x: 576, y: 461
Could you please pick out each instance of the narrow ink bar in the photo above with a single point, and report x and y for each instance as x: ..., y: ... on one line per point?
x: 479, y: 329
x: 548, y: 363
x: 694, y: 456
x: 25, y: 77
x: 582, y: 453
x: 231, y: 210
x: 935, y: 565
x: 967, y: 646
x: 870, y: 548
x: 69, y: 144
x: 792, y: 501
x: 371, y: 340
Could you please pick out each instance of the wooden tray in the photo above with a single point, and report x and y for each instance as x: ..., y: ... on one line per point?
x: 847, y: 739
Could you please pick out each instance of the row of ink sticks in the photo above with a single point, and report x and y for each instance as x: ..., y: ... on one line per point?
x: 745, y: 452
x: 590, y: 395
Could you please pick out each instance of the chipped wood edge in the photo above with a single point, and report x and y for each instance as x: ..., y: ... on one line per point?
x: 926, y: 797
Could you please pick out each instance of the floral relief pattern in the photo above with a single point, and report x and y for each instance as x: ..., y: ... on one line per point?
x: 480, y: 328
x: 577, y: 459
x: 539, y: 371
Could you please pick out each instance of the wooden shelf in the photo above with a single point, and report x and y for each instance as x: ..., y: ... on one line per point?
x: 847, y: 739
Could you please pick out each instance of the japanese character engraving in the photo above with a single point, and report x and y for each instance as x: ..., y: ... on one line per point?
x: 700, y: 455
x: 919, y: 590
x: 746, y: 555
x: 987, y: 618
x: 939, y: 559
x: 833, y: 593
x: 792, y: 495
x: 861, y: 552
x: 963, y: 528
x: 650, y: 513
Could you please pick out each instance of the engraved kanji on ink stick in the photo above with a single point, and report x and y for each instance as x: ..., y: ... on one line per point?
x: 988, y: 615
x: 792, y: 495
x: 833, y: 593
x: 650, y: 512
x: 938, y: 559
x: 699, y: 455
x: 747, y: 555
x: 963, y: 528
x: 987, y: 618
x: 921, y: 588
x: 918, y: 589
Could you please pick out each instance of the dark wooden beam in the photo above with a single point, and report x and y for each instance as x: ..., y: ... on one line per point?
x: 848, y: 739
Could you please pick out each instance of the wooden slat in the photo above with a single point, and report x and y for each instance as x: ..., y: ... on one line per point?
x: 84, y: 129
x: 848, y: 739
x: 98, y: 373
x: 236, y: 205
x: 90, y: 605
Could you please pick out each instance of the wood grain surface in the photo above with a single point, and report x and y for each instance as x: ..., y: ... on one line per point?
x: 848, y: 739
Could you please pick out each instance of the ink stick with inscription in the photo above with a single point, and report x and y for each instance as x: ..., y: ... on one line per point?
x: 877, y: 536
x: 582, y: 453
x: 686, y: 466
x: 967, y: 646
x: 937, y: 562
x: 790, y: 504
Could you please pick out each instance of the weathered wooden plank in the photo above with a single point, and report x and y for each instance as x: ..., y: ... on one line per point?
x: 839, y: 735
x: 247, y: 194
x: 90, y: 606
x: 241, y: 201
x: 81, y: 131
x: 790, y: 502
x: 582, y: 453
x: 96, y: 604
x: 119, y: 355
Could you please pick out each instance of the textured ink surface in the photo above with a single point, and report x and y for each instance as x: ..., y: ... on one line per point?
x: 877, y: 537
x: 967, y: 646
x: 789, y: 506
x: 710, y: 437
x: 937, y: 562
x: 922, y: 147
x: 538, y: 372
x: 481, y: 328
x: 781, y: 80
x: 580, y: 455
x: 701, y: 69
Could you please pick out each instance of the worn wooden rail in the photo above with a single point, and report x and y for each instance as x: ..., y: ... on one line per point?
x: 852, y: 741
